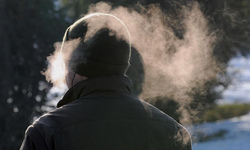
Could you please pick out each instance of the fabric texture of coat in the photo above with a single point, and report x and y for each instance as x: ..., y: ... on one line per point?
x: 101, y: 114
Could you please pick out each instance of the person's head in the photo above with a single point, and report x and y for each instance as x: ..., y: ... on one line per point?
x: 100, y: 55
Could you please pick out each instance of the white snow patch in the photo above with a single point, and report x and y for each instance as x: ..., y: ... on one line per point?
x: 237, y: 137
x: 239, y: 90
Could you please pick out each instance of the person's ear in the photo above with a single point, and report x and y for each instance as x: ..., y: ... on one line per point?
x: 78, y: 78
x: 69, y: 75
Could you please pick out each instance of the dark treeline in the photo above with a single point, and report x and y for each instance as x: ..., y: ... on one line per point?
x: 29, y: 28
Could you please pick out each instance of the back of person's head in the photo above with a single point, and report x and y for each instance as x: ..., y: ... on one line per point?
x: 101, y: 54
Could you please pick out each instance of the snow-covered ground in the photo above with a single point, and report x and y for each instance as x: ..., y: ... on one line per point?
x: 231, y: 134
x: 239, y: 90
x: 236, y: 134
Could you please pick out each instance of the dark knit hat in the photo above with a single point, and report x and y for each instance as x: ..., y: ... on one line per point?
x: 102, y: 54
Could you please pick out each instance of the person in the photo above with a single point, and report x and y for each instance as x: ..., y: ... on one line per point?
x: 98, y: 112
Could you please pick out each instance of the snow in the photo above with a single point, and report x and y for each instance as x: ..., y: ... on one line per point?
x: 236, y: 131
x: 239, y: 90
x: 55, y: 94
x: 237, y: 137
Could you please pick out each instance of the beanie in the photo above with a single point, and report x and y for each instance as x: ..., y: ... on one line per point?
x: 102, y: 54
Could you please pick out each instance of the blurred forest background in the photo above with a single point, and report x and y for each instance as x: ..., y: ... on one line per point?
x: 29, y: 28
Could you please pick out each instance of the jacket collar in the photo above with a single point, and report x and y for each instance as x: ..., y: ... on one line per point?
x: 96, y: 84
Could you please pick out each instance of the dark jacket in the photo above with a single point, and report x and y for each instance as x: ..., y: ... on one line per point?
x: 101, y: 114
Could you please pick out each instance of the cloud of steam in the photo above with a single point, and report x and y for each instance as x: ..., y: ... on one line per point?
x: 173, y: 66
x: 56, y: 71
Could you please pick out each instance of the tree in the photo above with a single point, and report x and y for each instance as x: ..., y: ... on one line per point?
x: 28, y: 29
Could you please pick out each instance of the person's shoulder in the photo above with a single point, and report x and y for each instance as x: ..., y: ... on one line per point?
x: 41, y: 125
x: 158, y: 115
x: 59, y: 117
x: 42, y: 130
x: 180, y: 136
x: 51, y: 120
